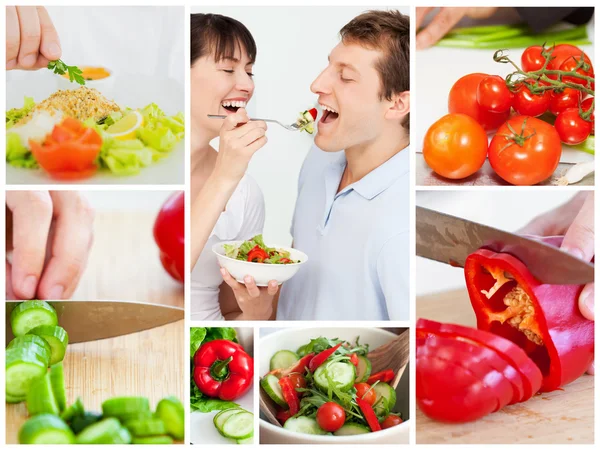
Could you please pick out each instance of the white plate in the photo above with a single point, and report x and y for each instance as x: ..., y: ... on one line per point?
x: 133, y: 92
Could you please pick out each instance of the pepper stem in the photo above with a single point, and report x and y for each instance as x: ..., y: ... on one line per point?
x: 220, y: 369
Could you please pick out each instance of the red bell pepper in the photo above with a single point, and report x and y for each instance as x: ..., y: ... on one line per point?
x: 169, y: 235
x: 354, y: 359
x: 257, y: 255
x: 290, y: 395
x: 283, y: 415
x: 299, y: 367
x: 542, y: 319
x: 385, y: 376
x: 222, y: 369
x: 321, y: 357
x: 369, y: 414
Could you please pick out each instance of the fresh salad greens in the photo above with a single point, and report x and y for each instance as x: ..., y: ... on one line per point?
x: 74, y: 72
x: 255, y: 250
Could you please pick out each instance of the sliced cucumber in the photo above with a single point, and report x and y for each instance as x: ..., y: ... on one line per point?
x: 350, y: 429
x: 74, y: 410
x: 144, y: 428
x: 124, y: 408
x: 171, y: 412
x: 40, y: 398
x: 57, y: 338
x: 78, y: 423
x: 22, y: 368
x: 270, y: 384
x: 107, y: 431
x: 303, y: 424
x: 154, y: 440
x: 45, y: 429
x: 33, y: 343
x: 341, y: 373
x: 308, y: 116
x: 283, y: 359
x: 363, y: 370
x: 222, y: 416
x: 57, y: 379
x: 124, y: 436
x: 142, y: 415
x: 248, y: 440
x: 239, y: 426
x: 11, y: 399
x: 31, y: 314
x: 385, y: 400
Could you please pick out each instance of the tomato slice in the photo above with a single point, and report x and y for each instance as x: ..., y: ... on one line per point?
x: 66, y: 175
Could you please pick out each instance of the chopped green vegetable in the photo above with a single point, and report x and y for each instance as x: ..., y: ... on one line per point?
x: 16, y: 114
x: 60, y: 68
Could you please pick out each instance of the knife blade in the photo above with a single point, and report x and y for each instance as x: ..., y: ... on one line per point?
x: 451, y: 239
x: 93, y: 320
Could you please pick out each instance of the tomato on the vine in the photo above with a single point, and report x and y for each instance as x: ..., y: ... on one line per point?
x: 567, y: 98
x: 455, y: 146
x: 532, y: 58
x: 561, y: 53
x: 585, y: 106
x: 493, y: 95
x: 331, y: 416
x: 571, y: 127
x: 525, y: 151
x: 586, y: 69
x: 364, y: 391
x: 528, y: 104
x: 462, y: 99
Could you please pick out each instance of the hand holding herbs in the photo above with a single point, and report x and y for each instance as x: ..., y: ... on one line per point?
x: 74, y: 72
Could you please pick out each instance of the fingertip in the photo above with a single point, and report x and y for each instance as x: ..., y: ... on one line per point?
x: 25, y: 289
x: 248, y: 280
x: 586, y: 302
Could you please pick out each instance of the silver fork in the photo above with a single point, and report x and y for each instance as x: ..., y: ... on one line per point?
x: 292, y: 127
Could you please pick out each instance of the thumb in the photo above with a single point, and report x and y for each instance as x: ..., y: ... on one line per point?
x: 232, y: 121
x: 579, y: 238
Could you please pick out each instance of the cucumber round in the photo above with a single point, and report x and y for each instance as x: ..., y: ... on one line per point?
x: 57, y: 380
x: 222, y: 416
x: 249, y: 440
x: 80, y: 422
x: 40, y: 398
x: 270, y: 384
x: 239, y: 426
x: 342, y: 373
x: 45, y: 429
x: 363, y: 370
x: 125, y: 407
x: 33, y: 343
x: 106, y: 431
x: 171, y: 412
x: 153, y: 440
x: 350, y: 429
x: 30, y: 314
x: 141, y: 415
x: 57, y: 338
x: 74, y: 410
x: 303, y: 424
x: 22, y: 368
x: 144, y: 428
x: 385, y: 400
x: 283, y: 359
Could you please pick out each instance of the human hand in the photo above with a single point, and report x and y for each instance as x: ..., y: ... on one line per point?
x: 444, y: 20
x: 50, y: 236
x: 254, y: 302
x: 31, y: 39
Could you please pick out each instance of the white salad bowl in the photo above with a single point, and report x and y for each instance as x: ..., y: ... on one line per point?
x: 293, y: 338
x: 262, y: 273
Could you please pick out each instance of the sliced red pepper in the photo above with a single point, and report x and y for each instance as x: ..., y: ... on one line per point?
x: 354, y: 359
x: 369, y: 414
x: 285, y: 260
x: 290, y: 395
x: 321, y: 357
x: 542, y: 319
x: 257, y: 255
x: 283, y: 415
x: 299, y: 367
x: 385, y: 376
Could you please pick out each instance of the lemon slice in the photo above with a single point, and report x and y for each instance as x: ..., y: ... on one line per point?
x: 127, y: 126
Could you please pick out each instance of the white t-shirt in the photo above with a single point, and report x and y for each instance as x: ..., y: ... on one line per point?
x: 243, y: 218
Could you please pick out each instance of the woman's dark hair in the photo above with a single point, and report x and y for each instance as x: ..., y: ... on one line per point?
x: 221, y: 36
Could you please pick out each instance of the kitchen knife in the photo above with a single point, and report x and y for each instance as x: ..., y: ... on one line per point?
x: 451, y: 239
x: 92, y: 320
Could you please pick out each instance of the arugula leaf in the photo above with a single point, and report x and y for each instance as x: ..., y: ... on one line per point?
x: 60, y: 68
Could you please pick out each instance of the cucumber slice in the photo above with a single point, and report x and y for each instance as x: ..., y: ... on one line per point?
x: 124, y: 408
x: 385, y: 400
x: 222, y: 416
x: 144, y: 428
x: 171, y: 412
x: 22, y: 368
x: 283, y: 359
x: 303, y: 424
x: 342, y: 373
x: 153, y: 440
x: 249, y: 440
x: 239, y: 426
x: 31, y: 314
x: 107, y: 431
x: 270, y: 384
x: 33, y: 343
x: 57, y: 380
x: 350, y: 429
x: 363, y: 370
x: 45, y: 429
x: 57, y: 338
x: 40, y: 398
x: 124, y: 436
x: 83, y: 421
x: 11, y: 399
x: 142, y: 415
x: 74, y: 410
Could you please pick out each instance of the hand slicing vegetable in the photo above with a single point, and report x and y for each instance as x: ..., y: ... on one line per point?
x: 326, y: 387
x: 306, y: 120
x: 255, y: 250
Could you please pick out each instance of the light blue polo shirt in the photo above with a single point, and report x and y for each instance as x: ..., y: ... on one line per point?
x: 357, y: 242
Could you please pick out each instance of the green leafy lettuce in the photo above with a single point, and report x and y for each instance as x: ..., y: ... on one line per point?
x: 17, y: 154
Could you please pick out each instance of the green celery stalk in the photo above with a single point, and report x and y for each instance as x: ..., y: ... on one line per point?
x: 587, y: 146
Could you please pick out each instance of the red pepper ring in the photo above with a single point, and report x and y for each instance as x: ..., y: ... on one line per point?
x: 568, y: 337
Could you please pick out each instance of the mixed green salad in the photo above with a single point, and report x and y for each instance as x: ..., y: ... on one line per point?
x: 326, y: 387
x: 255, y: 250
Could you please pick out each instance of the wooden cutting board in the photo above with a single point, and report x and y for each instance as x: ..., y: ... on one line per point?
x: 560, y: 417
x: 124, y: 264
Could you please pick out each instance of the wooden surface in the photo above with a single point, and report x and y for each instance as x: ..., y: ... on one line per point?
x: 560, y: 417
x: 124, y: 265
x: 484, y: 177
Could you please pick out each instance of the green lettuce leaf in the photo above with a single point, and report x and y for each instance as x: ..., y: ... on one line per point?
x: 17, y: 155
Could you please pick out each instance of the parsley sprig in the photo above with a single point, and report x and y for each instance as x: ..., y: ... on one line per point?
x: 60, y: 68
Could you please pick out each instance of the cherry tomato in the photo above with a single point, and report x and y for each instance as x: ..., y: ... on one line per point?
x: 455, y: 146
x: 532, y: 58
x: 364, y: 391
x: 585, y: 106
x: 586, y: 69
x: 169, y: 235
x: 571, y: 127
x: 560, y: 54
x: 297, y: 380
x: 462, y: 99
x: 391, y: 421
x: 527, y: 157
x: 331, y: 416
x: 567, y: 98
x: 493, y: 95
x: 528, y: 104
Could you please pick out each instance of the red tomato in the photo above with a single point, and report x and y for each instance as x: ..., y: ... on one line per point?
x: 391, y: 421
x: 586, y: 69
x: 455, y: 146
x: 571, y: 127
x: 364, y: 391
x: 297, y: 380
x: 532, y: 58
x: 493, y: 95
x: 331, y: 416
x: 585, y: 106
x: 561, y: 53
x: 169, y: 235
x: 567, y: 98
x: 529, y: 157
x: 462, y: 99
x: 528, y: 104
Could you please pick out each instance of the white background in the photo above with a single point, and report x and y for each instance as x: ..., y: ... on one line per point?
x: 126, y: 200
x: 293, y: 44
